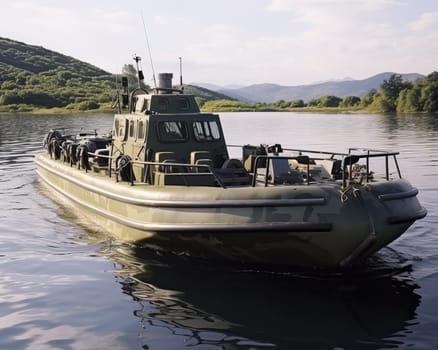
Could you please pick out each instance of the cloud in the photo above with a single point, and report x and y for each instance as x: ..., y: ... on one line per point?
x: 335, y: 38
x: 280, y: 41
x: 426, y: 21
x: 160, y: 20
x: 360, y: 5
x: 309, y: 44
x: 38, y: 9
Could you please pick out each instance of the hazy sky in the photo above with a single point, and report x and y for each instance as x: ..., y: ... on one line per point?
x: 243, y: 42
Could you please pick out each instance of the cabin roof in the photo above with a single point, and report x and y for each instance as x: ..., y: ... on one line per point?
x: 165, y: 104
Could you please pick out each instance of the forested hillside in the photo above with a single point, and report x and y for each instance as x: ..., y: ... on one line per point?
x: 34, y: 77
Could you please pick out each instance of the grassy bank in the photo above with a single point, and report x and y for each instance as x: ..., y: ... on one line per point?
x: 103, y: 108
x: 328, y: 110
x: 108, y: 109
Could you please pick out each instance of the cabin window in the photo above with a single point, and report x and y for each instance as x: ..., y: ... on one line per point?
x: 206, y: 130
x: 141, y: 130
x: 120, y: 126
x: 131, y: 129
x: 172, y: 131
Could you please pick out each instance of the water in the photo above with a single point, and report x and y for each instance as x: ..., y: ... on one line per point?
x: 66, y: 285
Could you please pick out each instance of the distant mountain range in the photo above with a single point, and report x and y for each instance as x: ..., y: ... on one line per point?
x: 272, y: 92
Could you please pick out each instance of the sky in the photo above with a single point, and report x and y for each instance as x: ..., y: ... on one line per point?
x: 235, y: 42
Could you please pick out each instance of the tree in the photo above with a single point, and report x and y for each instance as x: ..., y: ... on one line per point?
x: 391, y: 89
x: 20, y: 78
x: 9, y: 85
x: 368, y: 98
x: 409, y: 100
x: 314, y: 102
x: 380, y: 104
x: 330, y: 101
x: 350, y: 101
x: 281, y: 104
x: 423, y: 96
x: 429, y: 93
x: 297, y: 103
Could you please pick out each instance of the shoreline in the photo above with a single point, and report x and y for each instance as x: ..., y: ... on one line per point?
x: 64, y: 111
x: 304, y: 110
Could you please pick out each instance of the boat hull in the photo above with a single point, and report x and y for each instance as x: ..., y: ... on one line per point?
x: 307, y: 226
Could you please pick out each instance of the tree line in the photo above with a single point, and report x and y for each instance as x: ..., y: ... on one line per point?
x: 401, y: 96
x: 394, y: 95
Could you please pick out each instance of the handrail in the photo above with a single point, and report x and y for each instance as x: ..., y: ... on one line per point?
x: 300, y: 150
x: 100, y: 155
x: 353, y: 158
x: 350, y: 150
x: 185, y: 165
x: 348, y: 160
x: 260, y: 157
x: 315, y: 152
x: 368, y: 150
x: 103, y: 156
x: 158, y: 89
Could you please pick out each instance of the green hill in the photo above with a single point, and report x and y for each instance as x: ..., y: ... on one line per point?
x: 33, y: 77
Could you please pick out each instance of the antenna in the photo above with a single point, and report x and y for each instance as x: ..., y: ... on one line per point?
x: 149, y: 50
x: 180, y: 72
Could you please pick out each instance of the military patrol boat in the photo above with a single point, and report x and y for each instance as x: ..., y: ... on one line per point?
x: 164, y: 179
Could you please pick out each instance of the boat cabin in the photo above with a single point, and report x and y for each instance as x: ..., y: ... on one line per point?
x: 168, y: 141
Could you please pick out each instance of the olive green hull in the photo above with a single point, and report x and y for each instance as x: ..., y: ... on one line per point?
x: 283, y: 225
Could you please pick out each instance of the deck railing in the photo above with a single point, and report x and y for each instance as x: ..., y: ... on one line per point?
x: 189, y: 167
x: 305, y: 157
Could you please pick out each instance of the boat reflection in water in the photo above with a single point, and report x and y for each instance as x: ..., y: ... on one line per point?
x: 229, y: 308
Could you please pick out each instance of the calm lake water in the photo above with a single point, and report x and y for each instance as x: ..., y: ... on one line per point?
x: 65, y: 285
